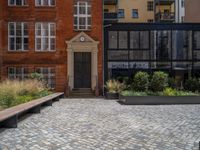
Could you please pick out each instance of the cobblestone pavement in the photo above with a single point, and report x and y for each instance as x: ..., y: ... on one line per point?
x: 97, y: 124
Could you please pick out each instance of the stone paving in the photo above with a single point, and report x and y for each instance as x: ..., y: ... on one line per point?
x: 97, y: 124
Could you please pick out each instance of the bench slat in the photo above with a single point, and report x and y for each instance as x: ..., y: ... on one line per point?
x: 7, y: 113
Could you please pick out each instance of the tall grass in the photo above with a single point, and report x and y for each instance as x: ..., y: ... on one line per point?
x: 14, y: 92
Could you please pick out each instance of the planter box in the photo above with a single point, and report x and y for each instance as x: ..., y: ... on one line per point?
x: 158, y: 100
x: 111, y: 96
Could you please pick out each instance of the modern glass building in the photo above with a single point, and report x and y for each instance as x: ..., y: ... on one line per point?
x: 174, y: 48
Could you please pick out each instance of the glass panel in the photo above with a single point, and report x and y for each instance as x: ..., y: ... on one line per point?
x: 123, y: 39
x: 160, y: 65
x: 180, y: 46
x: 139, y: 55
x: 197, y: 40
x: 163, y: 46
x: 134, y: 39
x: 118, y: 55
x: 144, y: 39
x: 112, y: 39
x: 118, y: 65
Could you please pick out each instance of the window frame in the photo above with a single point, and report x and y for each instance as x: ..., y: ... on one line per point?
x: 15, y: 76
x: 78, y: 15
x: 150, y: 6
x: 121, y: 17
x: 15, y: 37
x: 24, y: 3
x: 42, y: 3
x: 136, y: 10
x: 42, y: 37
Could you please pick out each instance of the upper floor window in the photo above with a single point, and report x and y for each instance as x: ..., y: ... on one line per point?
x: 17, y: 36
x: 82, y: 16
x: 17, y: 2
x: 45, y: 2
x: 150, y: 6
x: 45, y: 36
x: 120, y: 13
x: 135, y: 13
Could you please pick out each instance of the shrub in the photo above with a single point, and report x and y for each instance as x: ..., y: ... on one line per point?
x: 140, y: 81
x: 114, y: 86
x: 159, y: 81
x: 16, y: 92
x: 36, y: 76
x: 192, y: 84
x: 133, y: 93
x: 169, y: 92
x: 172, y: 82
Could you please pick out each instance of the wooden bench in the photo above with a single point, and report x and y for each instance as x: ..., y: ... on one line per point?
x: 9, y: 117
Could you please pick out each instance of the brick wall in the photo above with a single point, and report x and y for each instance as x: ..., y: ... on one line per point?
x: 62, y: 15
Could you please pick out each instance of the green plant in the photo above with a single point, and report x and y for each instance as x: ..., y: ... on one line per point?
x: 169, y: 92
x: 159, y: 81
x: 114, y: 86
x: 172, y: 82
x: 192, y: 84
x: 140, y: 81
x: 133, y: 93
x: 14, y: 92
x: 36, y: 76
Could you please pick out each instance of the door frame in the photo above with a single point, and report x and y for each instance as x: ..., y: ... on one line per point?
x: 76, y: 44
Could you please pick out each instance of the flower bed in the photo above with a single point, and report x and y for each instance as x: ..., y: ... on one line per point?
x: 15, y: 92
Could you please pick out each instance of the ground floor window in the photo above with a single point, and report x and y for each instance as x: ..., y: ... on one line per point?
x: 19, y: 73
x: 48, y: 74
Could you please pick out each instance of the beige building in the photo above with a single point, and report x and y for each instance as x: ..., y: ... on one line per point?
x: 192, y: 13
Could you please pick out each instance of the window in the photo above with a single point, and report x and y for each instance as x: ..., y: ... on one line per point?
x: 17, y: 2
x: 135, y: 13
x: 48, y: 75
x: 182, y: 3
x: 82, y: 16
x: 123, y: 39
x: 45, y: 2
x: 112, y: 37
x: 150, y: 20
x: 45, y: 36
x: 121, y: 13
x: 17, y: 36
x: 150, y: 6
x: 19, y: 73
x: 139, y: 40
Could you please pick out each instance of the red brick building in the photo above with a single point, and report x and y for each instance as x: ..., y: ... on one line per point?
x: 61, y: 39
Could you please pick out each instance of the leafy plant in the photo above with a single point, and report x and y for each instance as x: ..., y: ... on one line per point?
x: 114, y: 86
x: 192, y: 84
x: 159, y: 81
x: 169, y: 92
x: 141, y: 81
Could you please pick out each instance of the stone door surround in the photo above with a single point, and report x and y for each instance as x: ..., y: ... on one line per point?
x: 82, y: 43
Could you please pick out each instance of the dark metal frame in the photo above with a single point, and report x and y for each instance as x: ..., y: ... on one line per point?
x: 148, y: 27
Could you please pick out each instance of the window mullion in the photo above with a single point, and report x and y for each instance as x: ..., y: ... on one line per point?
x: 49, y: 40
x: 22, y: 36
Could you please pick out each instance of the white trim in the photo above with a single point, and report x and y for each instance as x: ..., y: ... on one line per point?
x: 15, y: 4
x: 42, y: 36
x: 42, y: 3
x: 22, y: 24
x: 78, y: 15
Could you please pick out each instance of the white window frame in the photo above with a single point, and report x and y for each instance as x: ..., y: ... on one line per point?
x: 49, y: 75
x: 42, y: 37
x: 15, y: 75
x: 15, y: 36
x: 24, y: 3
x: 78, y: 16
x: 42, y: 3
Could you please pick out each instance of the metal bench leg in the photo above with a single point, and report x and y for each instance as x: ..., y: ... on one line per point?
x: 56, y: 99
x: 62, y: 96
x: 11, y: 122
x: 48, y: 103
x: 35, y: 110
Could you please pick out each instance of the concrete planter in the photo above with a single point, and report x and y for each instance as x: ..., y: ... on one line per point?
x: 111, y: 96
x: 158, y: 100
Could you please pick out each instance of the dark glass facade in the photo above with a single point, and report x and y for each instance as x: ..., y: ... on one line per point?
x: 174, y: 48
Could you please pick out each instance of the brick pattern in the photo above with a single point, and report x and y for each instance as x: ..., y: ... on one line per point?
x: 62, y: 15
